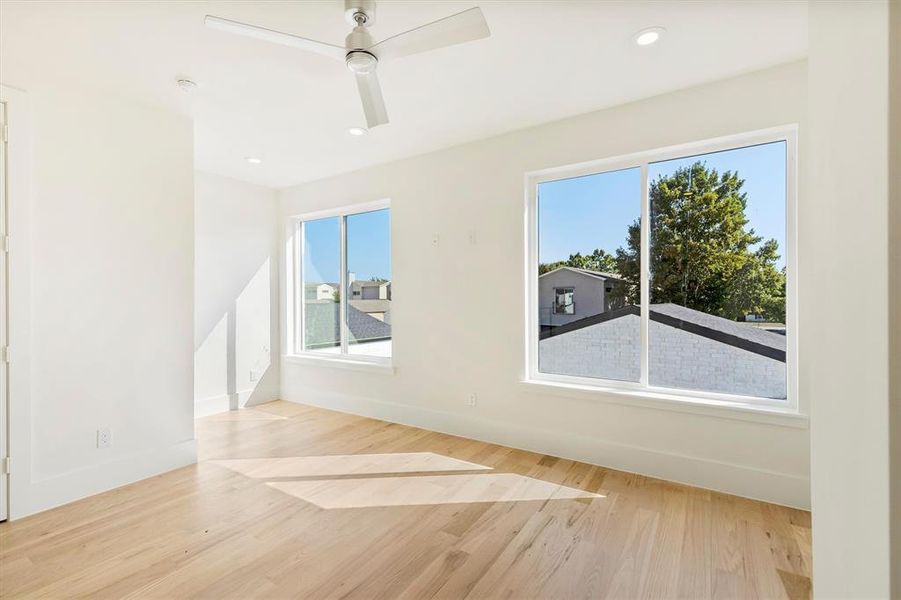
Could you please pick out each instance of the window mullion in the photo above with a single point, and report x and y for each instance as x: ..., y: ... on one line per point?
x: 645, y: 274
x: 342, y: 297
x: 299, y: 289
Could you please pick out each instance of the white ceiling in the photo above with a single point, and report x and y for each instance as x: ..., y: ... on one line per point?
x: 545, y: 60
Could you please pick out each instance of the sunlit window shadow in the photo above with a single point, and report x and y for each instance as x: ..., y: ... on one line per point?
x: 232, y: 365
x: 431, y: 489
x: 346, y: 464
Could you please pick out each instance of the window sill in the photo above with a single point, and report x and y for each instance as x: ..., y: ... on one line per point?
x: 341, y: 362
x: 743, y: 411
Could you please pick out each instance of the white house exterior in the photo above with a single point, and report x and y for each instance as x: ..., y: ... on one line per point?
x: 567, y: 294
x: 320, y: 291
x: 370, y: 290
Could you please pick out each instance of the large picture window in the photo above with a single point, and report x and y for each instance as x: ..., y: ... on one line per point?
x: 683, y: 262
x: 343, y: 283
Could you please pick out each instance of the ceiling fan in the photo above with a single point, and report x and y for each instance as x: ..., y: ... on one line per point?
x: 361, y: 55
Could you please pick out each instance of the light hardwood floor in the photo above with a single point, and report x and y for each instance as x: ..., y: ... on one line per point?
x: 290, y: 501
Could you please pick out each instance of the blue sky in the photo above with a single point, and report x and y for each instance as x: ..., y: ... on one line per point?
x: 575, y: 215
x: 584, y: 213
x: 368, y: 247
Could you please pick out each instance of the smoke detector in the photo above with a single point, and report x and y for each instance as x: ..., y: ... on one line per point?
x: 185, y: 85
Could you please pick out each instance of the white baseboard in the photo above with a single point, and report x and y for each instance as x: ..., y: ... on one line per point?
x: 740, y: 480
x: 245, y: 398
x: 211, y: 406
x: 74, y: 485
x: 258, y: 395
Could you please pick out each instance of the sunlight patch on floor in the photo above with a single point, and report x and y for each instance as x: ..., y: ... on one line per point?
x: 346, y: 464
x: 431, y: 489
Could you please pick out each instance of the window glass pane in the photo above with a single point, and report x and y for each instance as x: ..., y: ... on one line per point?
x: 564, y: 301
x: 321, y: 285
x: 717, y: 314
x: 588, y: 276
x: 369, y: 283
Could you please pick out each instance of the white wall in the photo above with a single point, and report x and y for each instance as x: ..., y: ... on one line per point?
x: 105, y: 227
x: 236, y: 294
x: 848, y: 375
x: 448, y: 345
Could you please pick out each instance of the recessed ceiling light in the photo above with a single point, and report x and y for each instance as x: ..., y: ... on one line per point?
x: 357, y: 131
x: 253, y: 160
x: 648, y: 36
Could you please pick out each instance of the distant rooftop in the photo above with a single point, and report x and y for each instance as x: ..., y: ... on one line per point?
x: 589, y: 272
x: 740, y: 335
x: 322, y: 325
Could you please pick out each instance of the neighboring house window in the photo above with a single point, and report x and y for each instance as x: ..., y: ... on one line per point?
x: 563, y: 301
x: 334, y: 252
x: 695, y: 247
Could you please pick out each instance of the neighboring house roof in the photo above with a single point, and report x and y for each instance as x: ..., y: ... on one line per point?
x: 322, y: 324
x: 367, y: 283
x: 374, y: 305
x: 748, y: 332
x: 759, y: 341
x: 316, y: 285
x: 595, y: 274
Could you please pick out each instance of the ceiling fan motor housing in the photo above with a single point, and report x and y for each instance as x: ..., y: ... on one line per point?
x: 358, y: 59
x: 358, y: 39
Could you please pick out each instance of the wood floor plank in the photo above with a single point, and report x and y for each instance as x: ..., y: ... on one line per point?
x: 292, y: 501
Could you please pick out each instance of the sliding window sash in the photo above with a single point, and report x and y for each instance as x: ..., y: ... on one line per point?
x: 645, y: 276
x: 344, y: 287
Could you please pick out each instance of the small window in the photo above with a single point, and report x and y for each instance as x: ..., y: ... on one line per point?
x: 563, y: 301
x: 340, y: 256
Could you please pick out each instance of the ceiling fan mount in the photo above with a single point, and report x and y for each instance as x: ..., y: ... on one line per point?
x: 359, y: 12
x: 361, y: 55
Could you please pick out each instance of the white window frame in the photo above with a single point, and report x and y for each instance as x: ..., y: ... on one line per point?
x: 295, y: 314
x: 642, y: 390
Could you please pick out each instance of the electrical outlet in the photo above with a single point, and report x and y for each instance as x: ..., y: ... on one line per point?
x: 472, y: 237
x: 472, y: 399
x: 254, y: 375
x: 436, y: 239
x: 104, y: 437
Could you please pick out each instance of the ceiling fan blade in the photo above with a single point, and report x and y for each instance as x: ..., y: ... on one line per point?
x: 462, y: 27
x: 371, y: 96
x: 276, y: 37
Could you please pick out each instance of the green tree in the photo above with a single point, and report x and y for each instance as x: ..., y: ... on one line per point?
x: 599, y: 260
x: 703, y: 254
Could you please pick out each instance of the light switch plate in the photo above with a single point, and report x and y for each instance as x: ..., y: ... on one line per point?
x: 104, y: 437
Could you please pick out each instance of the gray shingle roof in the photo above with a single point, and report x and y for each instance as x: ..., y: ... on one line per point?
x: 322, y: 324
x: 371, y: 305
x: 589, y: 272
x: 600, y: 274
x: 739, y: 335
x: 748, y: 332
